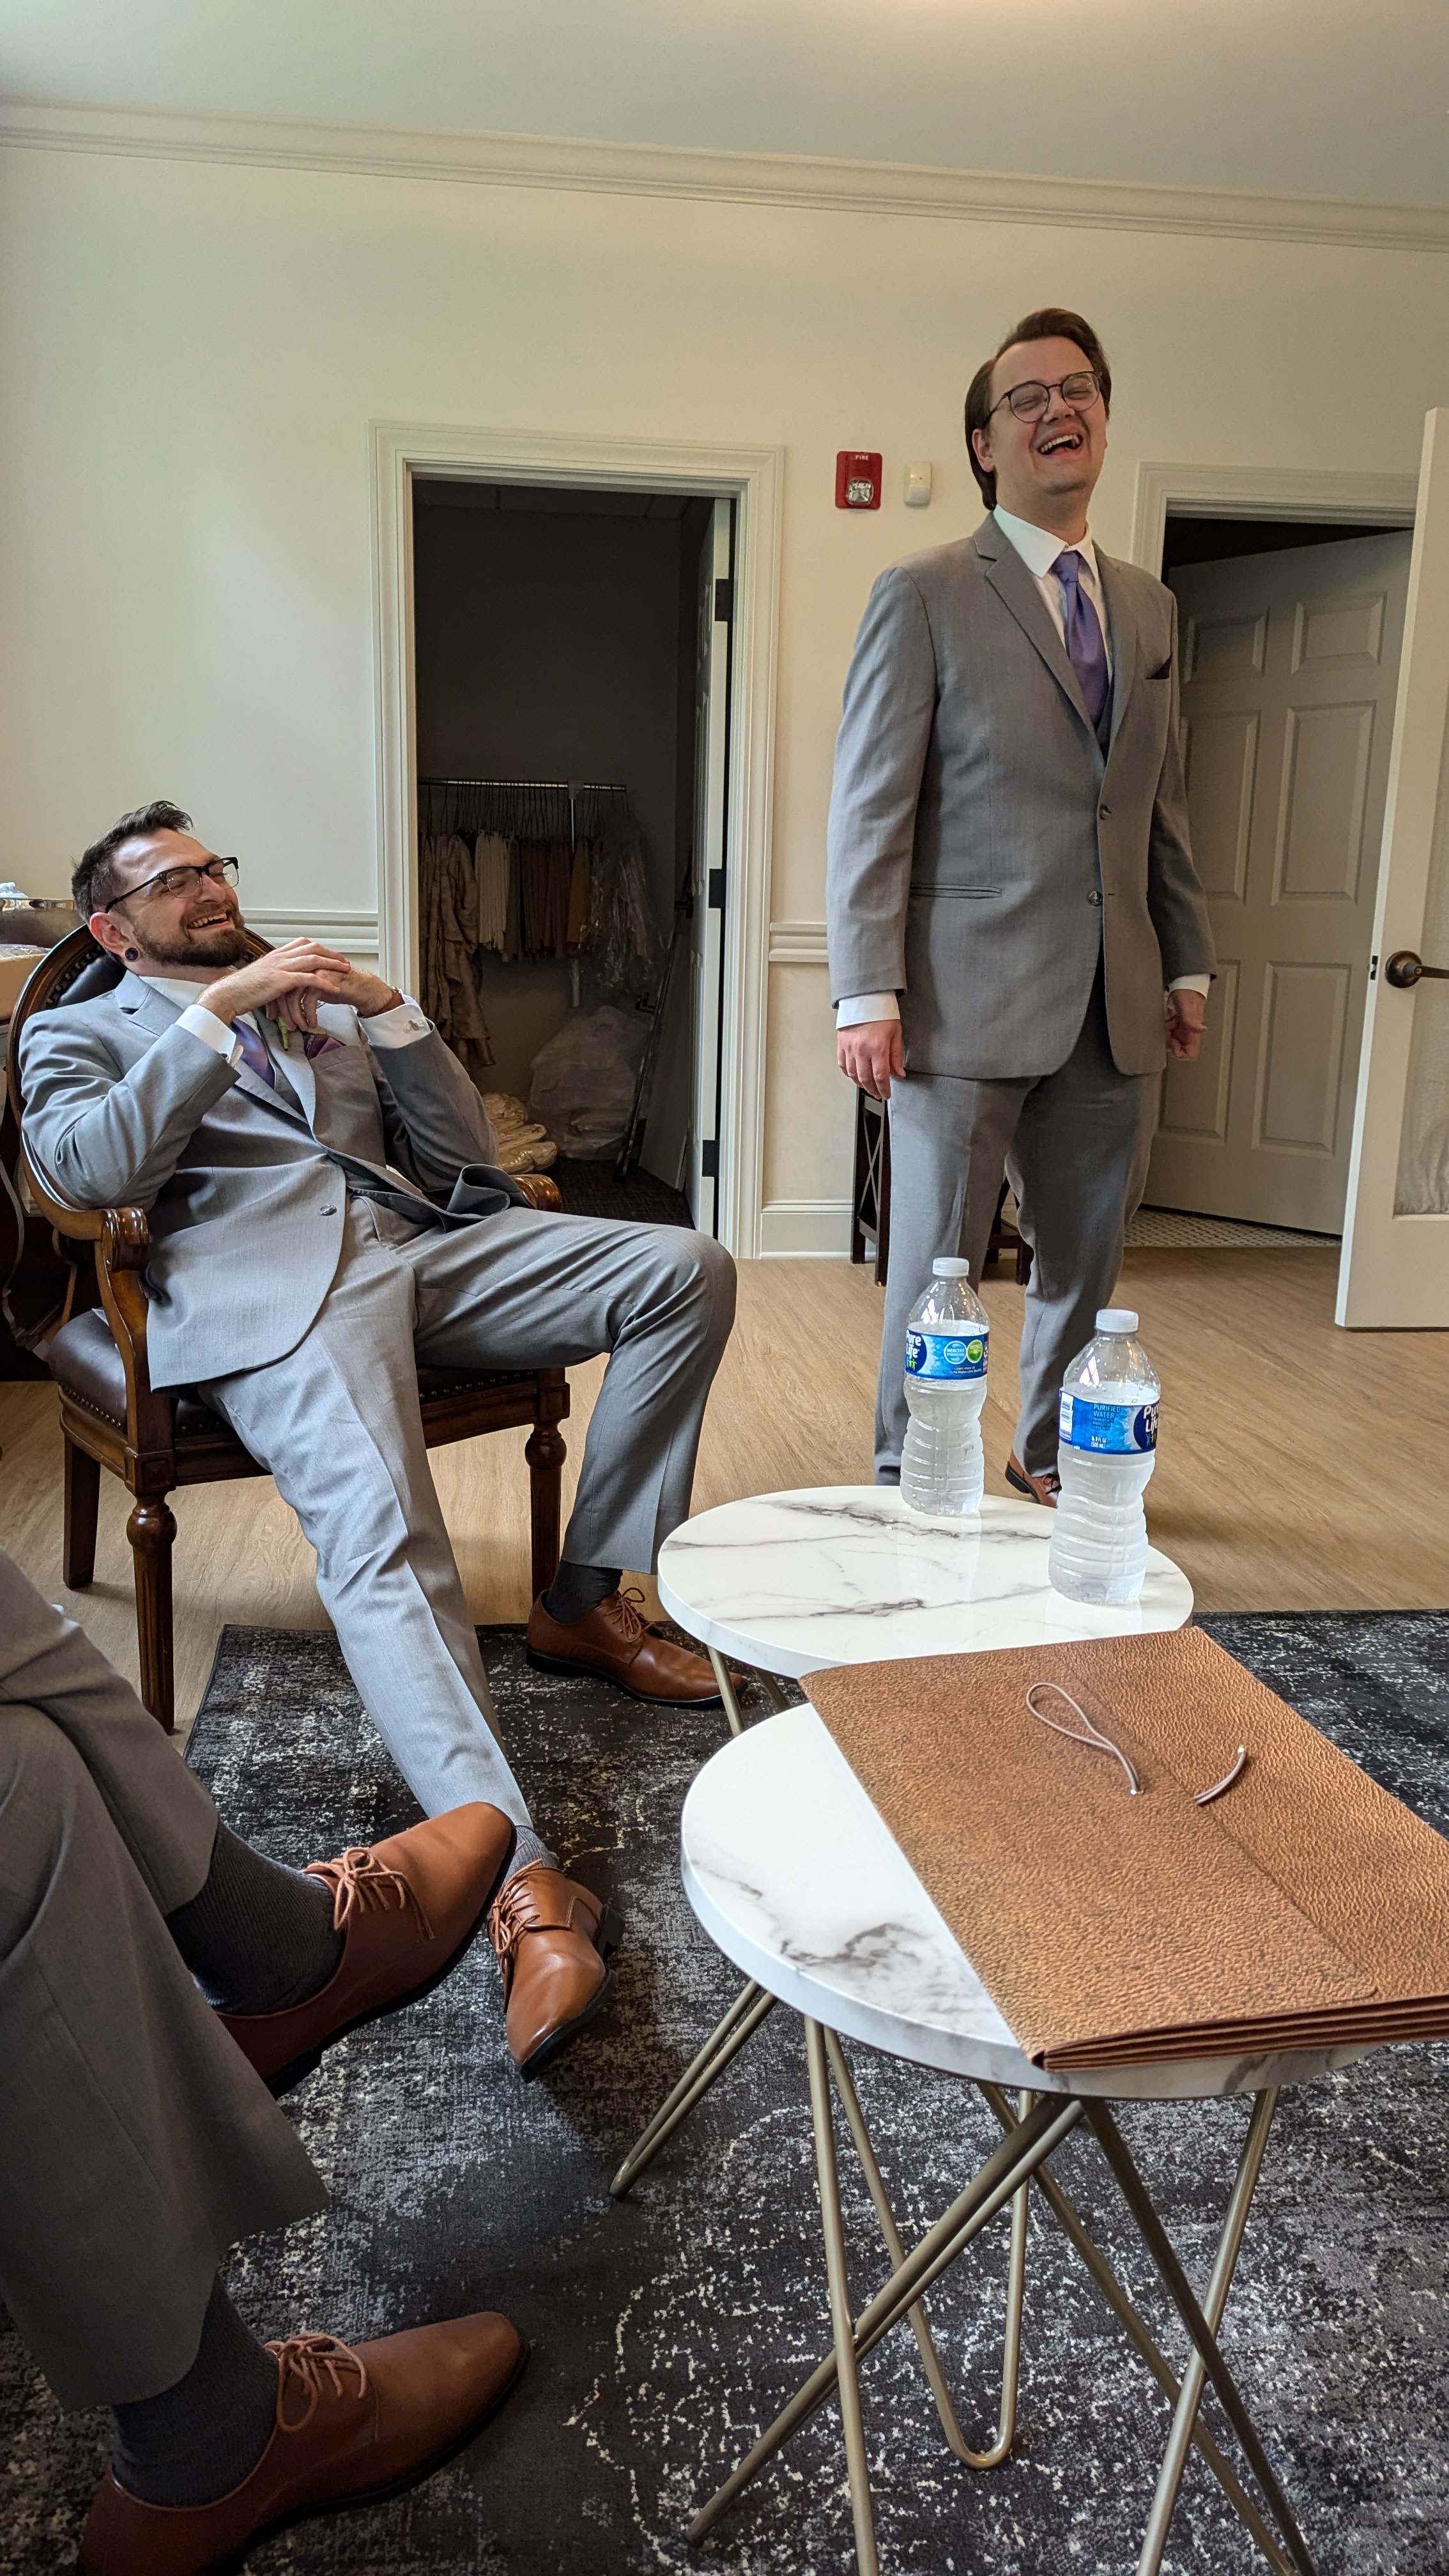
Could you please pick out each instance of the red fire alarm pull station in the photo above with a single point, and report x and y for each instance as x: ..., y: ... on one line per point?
x: 857, y: 479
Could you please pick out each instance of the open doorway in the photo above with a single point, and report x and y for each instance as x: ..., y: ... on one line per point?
x: 1291, y: 632
x: 572, y: 671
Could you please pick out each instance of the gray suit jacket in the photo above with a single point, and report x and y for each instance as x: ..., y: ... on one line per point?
x: 984, y: 850
x: 246, y: 1194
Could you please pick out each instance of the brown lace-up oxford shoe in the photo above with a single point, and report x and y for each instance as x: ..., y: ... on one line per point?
x: 1037, y: 1489
x: 617, y: 1643
x: 353, y: 2426
x: 408, y: 1909
x: 552, y: 1938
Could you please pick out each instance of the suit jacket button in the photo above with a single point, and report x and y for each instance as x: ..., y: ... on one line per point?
x: 329, y: 1211
x: 1094, y: 897
x: 1104, y: 811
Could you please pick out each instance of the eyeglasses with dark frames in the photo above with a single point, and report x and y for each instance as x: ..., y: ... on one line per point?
x: 1032, y: 400
x: 179, y: 881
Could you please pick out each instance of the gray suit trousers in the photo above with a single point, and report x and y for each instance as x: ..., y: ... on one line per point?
x: 136, y: 2144
x: 1075, y: 1146
x: 337, y: 1422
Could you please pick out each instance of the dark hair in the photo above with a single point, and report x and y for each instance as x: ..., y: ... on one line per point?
x: 93, y: 884
x: 1053, y: 322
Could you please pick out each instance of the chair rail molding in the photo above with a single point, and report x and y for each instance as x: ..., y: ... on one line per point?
x: 798, y: 943
x: 1261, y: 492
x: 751, y: 477
x: 760, y: 178
x: 355, y: 933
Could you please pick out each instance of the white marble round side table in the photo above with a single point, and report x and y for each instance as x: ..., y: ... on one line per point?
x: 848, y: 1574
x: 794, y: 1875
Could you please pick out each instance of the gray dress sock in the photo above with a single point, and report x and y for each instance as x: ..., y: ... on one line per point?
x: 199, y: 2439
x: 259, y: 1937
x: 578, y: 1589
x: 527, y: 1850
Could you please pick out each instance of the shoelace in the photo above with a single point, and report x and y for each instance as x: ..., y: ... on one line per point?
x: 361, y: 1884
x: 315, y: 2364
x: 630, y: 1614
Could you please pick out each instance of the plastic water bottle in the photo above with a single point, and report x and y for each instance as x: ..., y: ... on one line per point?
x: 1107, y: 1451
x: 942, y: 1469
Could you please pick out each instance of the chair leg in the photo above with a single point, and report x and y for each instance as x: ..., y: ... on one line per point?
x: 546, y: 1452
x: 82, y: 1510
x: 151, y: 1529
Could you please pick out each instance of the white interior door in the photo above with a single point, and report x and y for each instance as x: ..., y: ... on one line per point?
x: 1290, y: 663
x: 711, y: 859
x: 1395, y: 1265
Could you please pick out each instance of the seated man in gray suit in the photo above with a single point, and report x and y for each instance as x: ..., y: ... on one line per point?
x: 295, y: 1127
x: 1017, y: 933
x: 154, y: 1970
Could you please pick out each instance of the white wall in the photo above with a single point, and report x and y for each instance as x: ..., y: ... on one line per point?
x: 192, y: 353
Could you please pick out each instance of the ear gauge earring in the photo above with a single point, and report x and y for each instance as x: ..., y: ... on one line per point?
x: 131, y: 956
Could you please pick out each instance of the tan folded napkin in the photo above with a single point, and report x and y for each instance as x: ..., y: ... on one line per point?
x: 1305, y: 1908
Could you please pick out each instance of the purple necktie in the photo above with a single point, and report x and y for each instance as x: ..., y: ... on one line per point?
x: 254, y: 1052
x: 1086, y: 650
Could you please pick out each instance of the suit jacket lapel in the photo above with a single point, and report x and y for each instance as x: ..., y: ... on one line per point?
x: 1014, y: 585
x: 138, y: 995
x: 1122, y: 631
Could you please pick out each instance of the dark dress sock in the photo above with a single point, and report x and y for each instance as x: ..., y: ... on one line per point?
x: 259, y: 1937
x: 578, y: 1589
x: 199, y: 2439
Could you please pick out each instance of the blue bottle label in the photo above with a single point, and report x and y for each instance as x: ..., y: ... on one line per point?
x: 1120, y: 1430
x: 955, y: 1356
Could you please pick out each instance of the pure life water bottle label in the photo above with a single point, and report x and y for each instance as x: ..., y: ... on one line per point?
x: 952, y: 1356
x: 1120, y: 1430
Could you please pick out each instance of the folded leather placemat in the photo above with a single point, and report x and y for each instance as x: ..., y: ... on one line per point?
x: 1305, y: 1908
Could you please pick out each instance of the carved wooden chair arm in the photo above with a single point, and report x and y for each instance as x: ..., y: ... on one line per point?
x: 122, y: 1240
x: 539, y: 1190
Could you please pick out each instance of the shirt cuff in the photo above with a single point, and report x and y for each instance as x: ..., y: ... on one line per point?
x: 866, y: 1006
x: 1191, y: 984
x: 214, y: 1033
x: 402, y: 1026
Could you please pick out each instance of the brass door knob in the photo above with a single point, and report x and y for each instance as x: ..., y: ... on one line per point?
x: 1404, y: 970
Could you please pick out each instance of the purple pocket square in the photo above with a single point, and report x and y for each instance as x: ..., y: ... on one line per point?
x: 317, y: 1042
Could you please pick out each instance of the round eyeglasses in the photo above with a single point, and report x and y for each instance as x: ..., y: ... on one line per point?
x: 179, y: 881
x: 1030, y: 401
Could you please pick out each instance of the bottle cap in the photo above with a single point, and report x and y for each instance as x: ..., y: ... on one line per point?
x: 951, y: 1266
x: 1116, y: 1319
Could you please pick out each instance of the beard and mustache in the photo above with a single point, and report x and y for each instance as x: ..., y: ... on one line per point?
x: 224, y: 943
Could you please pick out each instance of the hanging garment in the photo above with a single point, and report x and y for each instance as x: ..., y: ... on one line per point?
x: 622, y: 939
x: 448, y: 889
x: 578, y: 920
x: 493, y: 858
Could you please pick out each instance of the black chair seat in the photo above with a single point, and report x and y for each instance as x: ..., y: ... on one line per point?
x: 84, y: 1360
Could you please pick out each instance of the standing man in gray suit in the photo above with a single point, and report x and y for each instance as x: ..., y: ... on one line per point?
x: 324, y: 1215
x: 1018, y: 936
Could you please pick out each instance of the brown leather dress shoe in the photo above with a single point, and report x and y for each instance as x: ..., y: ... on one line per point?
x: 354, y: 2425
x: 617, y: 1643
x: 552, y: 1938
x: 409, y: 1908
x: 1037, y: 1489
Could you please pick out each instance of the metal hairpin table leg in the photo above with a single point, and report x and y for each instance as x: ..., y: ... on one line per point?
x: 1015, y: 2281
x: 995, y: 2183
x: 739, y: 2024
x: 1136, y: 2330
x: 833, y: 2230
x: 727, y: 1692
x: 1207, y: 2355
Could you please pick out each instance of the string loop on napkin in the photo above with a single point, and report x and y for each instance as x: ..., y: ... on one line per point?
x: 1094, y: 1739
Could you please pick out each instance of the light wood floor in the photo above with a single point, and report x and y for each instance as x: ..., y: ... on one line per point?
x: 1301, y: 1467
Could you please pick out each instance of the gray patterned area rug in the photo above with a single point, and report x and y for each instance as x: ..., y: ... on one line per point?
x: 666, y: 2330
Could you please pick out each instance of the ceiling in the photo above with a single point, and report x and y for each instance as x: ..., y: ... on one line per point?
x: 1336, y: 98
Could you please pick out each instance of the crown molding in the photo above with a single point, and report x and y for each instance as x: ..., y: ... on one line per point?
x: 749, y: 178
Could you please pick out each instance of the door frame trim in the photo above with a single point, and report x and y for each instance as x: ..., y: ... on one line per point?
x: 1261, y: 492
x: 751, y: 477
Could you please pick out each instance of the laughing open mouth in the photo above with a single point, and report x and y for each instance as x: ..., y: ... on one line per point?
x: 1070, y: 439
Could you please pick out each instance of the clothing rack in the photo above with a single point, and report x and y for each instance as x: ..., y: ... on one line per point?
x: 525, y: 809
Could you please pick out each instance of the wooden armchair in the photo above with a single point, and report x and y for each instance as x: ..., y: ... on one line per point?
x: 155, y: 1439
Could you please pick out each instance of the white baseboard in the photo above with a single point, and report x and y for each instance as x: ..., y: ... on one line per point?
x: 805, y: 1229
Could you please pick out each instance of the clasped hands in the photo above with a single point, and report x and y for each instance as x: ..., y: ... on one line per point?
x: 289, y: 982
x: 872, y: 1056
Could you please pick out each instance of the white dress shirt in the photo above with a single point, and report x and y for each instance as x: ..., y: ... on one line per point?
x: 1038, y: 549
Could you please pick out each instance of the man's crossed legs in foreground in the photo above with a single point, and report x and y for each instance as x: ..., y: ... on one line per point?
x: 153, y: 1970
